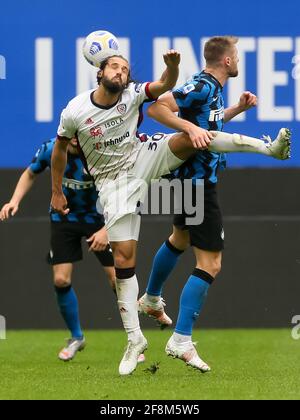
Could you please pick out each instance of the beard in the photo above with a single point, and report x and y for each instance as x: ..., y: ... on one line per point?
x: 112, y: 87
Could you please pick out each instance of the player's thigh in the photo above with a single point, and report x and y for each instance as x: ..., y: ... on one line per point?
x: 180, y: 238
x: 62, y: 274
x: 104, y: 257
x: 181, y: 146
x: 124, y: 253
x: 155, y: 158
x: 209, y: 235
x: 65, y: 243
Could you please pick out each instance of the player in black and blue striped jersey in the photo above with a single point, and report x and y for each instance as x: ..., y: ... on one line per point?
x: 200, y: 107
x: 201, y: 102
x: 77, y: 185
x: 67, y: 231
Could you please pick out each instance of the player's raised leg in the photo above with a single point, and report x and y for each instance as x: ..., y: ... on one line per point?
x: 280, y: 148
x: 183, y: 147
x: 68, y: 305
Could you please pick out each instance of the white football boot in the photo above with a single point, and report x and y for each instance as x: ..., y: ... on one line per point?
x: 186, y: 352
x: 73, y: 346
x: 131, y: 356
x: 280, y: 148
x: 154, y: 310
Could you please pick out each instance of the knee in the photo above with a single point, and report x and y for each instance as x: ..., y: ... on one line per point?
x: 214, y: 267
x: 61, y: 281
x: 123, y: 259
x: 181, y: 242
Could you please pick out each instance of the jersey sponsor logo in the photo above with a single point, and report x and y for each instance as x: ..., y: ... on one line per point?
x: 96, y: 131
x: 114, y: 123
x: 111, y: 142
x: 122, y: 108
x: 73, y: 184
x: 214, y: 99
x: 216, y: 115
x: 89, y: 121
x: 188, y: 88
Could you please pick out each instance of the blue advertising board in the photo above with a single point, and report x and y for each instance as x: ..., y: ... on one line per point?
x: 42, y: 68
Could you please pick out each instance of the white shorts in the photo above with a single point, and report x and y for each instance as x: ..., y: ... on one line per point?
x: 119, y: 198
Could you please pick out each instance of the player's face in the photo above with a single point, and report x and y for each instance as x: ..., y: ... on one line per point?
x: 233, y: 70
x: 115, y: 75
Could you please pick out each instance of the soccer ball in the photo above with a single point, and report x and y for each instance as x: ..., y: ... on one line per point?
x: 98, y: 46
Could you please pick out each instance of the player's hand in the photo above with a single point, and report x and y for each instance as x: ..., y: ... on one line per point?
x: 59, y: 203
x: 172, y: 58
x: 200, y: 138
x: 247, y: 100
x: 98, y: 241
x: 8, y: 210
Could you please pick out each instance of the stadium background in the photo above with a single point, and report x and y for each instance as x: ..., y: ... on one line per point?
x: 41, y: 68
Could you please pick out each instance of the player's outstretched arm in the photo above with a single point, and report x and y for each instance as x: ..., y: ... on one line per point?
x: 169, y: 77
x: 164, y: 111
x: 58, y: 167
x: 24, y: 185
x: 247, y: 101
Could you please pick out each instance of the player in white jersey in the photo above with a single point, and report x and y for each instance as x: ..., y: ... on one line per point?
x: 105, y: 122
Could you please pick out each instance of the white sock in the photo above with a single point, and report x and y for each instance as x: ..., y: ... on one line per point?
x: 179, y: 338
x: 127, y: 292
x: 225, y: 142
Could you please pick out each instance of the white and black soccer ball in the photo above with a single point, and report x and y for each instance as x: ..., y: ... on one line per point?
x: 98, y: 46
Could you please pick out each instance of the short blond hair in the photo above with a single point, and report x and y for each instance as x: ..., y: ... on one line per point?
x: 215, y: 48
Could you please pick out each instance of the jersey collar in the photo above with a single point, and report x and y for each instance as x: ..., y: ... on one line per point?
x: 102, y: 106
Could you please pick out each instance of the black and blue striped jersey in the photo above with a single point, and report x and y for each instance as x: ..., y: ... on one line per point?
x: 78, y: 187
x: 200, y: 101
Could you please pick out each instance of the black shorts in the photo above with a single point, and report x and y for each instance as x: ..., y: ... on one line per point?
x: 209, y: 235
x: 66, y: 238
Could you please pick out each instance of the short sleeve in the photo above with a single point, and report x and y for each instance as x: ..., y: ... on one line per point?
x: 42, y: 158
x: 191, y: 94
x: 66, y: 127
x: 141, y: 93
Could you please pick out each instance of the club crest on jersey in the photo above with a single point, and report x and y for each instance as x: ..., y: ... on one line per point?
x: 122, y: 108
x: 96, y: 131
x: 89, y: 121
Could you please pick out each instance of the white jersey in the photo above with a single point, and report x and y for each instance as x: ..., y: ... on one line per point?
x: 107, y: 135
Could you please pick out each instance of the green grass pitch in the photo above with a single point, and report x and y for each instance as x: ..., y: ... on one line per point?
x: 246, y: 364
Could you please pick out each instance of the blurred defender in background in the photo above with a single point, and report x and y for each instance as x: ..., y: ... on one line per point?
x: 67, y: 231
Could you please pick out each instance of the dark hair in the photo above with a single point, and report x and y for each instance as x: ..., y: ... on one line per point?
x: 104, y: 64
x: 216, y: 47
